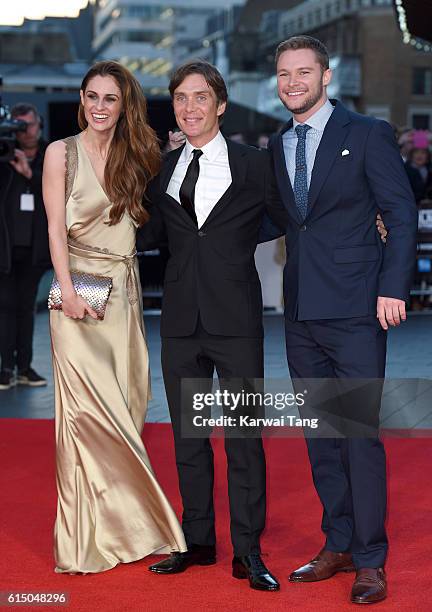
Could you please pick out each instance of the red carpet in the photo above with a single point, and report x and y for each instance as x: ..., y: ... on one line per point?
x: 292, y: 537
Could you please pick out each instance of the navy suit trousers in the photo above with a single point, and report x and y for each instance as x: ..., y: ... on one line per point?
x: 349, y: 473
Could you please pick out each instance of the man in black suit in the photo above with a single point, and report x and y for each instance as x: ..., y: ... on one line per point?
x: 209, y: 201
x: 342, y: 289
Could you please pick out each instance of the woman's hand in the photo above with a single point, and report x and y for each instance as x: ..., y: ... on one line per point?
x: 381, y: 228
x: 75, y: 307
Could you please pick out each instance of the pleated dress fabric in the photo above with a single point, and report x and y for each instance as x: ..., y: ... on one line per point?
x: 111, y: 508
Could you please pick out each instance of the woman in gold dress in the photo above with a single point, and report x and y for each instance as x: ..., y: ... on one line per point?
x: 111, y: 508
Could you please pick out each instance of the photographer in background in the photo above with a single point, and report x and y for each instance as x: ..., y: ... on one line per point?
x: 24, y: 251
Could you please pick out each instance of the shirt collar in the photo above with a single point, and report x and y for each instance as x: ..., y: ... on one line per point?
x: 318, y: 120
x: 210, y: 151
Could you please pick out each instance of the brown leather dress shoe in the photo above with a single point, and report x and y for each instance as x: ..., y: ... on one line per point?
x: 325, y: 565
x: 370, y: 586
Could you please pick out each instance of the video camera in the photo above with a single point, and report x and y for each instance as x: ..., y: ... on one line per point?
x: 8, y: 128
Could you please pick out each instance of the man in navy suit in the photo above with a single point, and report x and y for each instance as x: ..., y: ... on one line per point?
x: 343, y: 288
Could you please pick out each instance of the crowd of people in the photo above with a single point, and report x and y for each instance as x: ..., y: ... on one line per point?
x: 416, y: 147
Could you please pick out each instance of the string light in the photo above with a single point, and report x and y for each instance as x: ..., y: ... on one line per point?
x: 407, y: 37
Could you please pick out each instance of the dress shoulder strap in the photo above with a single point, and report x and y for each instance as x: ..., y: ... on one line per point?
x: 71, y: 161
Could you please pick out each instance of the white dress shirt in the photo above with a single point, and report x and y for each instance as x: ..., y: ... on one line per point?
x: 317, y: 122
x: 214, y: 177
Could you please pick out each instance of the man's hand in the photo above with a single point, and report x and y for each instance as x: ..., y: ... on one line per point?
x: 175, y: 140
x: 21, y: 164
x: 381, y: 228
x: 390, y: 311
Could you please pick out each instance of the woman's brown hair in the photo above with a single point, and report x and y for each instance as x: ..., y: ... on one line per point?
x: 134, y: 156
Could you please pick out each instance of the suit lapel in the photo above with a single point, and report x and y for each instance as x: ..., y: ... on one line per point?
x: 165, y: 174
x: 281, y: 171
x: 238, y: 166
x: 168, y: 166
x: 331, y: 142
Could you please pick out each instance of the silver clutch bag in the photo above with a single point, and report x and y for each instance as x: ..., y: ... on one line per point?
x: 94, y: 289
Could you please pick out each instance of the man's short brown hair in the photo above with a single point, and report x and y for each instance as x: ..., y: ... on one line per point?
x: 305, y: 42
x: 210, y: 73
x: 22, y: 108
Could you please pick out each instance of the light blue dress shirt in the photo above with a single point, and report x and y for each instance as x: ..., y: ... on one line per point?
x: 318, y: 121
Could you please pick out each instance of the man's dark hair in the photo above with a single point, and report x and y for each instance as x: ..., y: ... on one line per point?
x: 22, y: 108
x: 305, y: 42
x: 210, y: 73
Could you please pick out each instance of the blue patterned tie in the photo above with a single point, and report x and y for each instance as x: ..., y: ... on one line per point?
x: 300, y: 177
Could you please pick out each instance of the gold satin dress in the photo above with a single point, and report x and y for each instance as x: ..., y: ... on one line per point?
x: 110, y: 508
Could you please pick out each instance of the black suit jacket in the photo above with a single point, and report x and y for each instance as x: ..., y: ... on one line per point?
x: 336, y: 264
x: 12, y: 184
x: 211, y: 270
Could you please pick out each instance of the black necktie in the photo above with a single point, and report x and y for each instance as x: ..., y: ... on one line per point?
x: 187, y: 188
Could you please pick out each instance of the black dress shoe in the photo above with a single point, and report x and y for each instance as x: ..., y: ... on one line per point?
x: 178, y: 562
x: 252, y: 567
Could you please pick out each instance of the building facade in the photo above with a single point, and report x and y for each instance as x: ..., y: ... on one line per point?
x: 151, y: 37
x: 374, y: 71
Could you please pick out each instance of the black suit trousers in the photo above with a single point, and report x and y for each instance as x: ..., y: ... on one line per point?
x: 349, y: 473
x: 197, y: 356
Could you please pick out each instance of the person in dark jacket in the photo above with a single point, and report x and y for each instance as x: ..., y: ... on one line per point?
x: 24, y: 250
x: 207, y: 203
x: 418, y: 167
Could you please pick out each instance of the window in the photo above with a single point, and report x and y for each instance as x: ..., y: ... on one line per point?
x: 420, y: 118
x: 38, y: 54
x: 142, y: 36
x: 379, y: 111
x: 421, y: 122
x: 422, y: 81
x: 145, y: 12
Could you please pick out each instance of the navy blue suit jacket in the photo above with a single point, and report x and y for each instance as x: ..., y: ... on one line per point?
x: 336, y: 264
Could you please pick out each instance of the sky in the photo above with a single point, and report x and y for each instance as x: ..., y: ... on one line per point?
x: 13, y: 12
